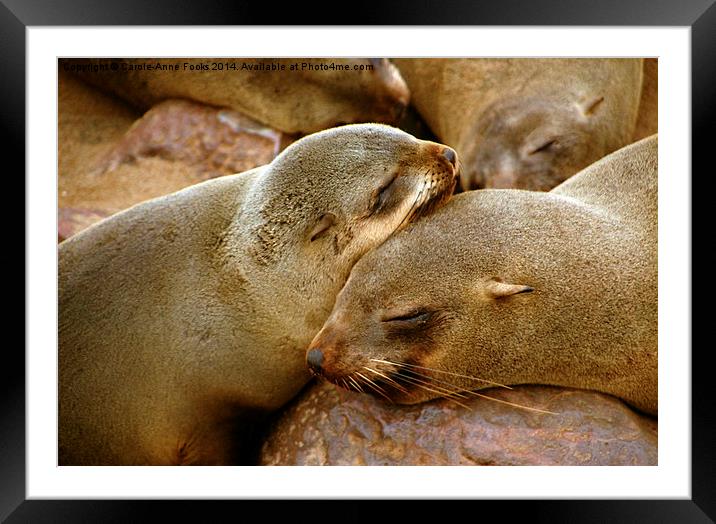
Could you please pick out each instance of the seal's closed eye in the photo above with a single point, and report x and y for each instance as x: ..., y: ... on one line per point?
x: 382, y: 194
x: 545, y: 146
x: 414, y: 316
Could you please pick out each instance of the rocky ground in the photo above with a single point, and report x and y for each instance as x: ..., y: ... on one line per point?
x: 330, y: 426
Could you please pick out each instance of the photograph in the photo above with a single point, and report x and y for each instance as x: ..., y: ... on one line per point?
x: 416, y: 247
x: 357, y: 261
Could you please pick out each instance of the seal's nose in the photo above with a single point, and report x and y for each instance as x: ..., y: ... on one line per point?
x: 450, y: 155
x: 314, y: 359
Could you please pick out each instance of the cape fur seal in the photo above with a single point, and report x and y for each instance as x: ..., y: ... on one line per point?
x: 511, y: 287
x: 526, y: 123
x: 183, y: 314
x: 319, y: 93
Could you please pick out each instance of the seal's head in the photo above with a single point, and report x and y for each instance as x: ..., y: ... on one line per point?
x: 409, y: 307
x: 332, y: 196
x: 533, y: 142
x: 326, y: 92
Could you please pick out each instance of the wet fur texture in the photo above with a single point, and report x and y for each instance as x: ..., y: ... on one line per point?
x: 183, y: 316
x: 515, y: 287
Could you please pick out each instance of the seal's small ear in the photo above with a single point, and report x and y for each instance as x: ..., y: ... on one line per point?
x: 497, y: 289
x: 324, y: 224
x: 589, y: 106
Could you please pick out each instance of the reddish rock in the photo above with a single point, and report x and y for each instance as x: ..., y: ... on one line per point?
x: 213, y: 141
x: 329, y: 426
x: 71, y: 221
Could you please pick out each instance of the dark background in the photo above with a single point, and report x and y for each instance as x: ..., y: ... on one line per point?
x: 16, y: 15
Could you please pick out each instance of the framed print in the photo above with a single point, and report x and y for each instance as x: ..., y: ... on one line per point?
x: 45, y: 46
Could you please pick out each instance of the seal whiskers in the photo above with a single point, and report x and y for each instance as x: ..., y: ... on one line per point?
x: 441, y: 371
x: 429, y: 386
x: 374, y: 386
x: 513, y: 404
x: 415, y: 375
x: 445, y: 393
x: 356, y: 384
x: 386, y: 377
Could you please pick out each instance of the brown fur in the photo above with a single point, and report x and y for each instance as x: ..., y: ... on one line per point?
x: 526, y: 123
x: 647, y: 122
x: 514, y: 287
x: 181, y: 316
x: 300, y: 101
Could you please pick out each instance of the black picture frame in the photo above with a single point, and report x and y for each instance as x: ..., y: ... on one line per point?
x: 17, y: 15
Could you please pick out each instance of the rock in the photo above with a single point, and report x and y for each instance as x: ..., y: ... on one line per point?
x: 212, y: 142
x: 71, y: 221
x: 330, y: 426
x: 294, y: 95
x: 111, y: 159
